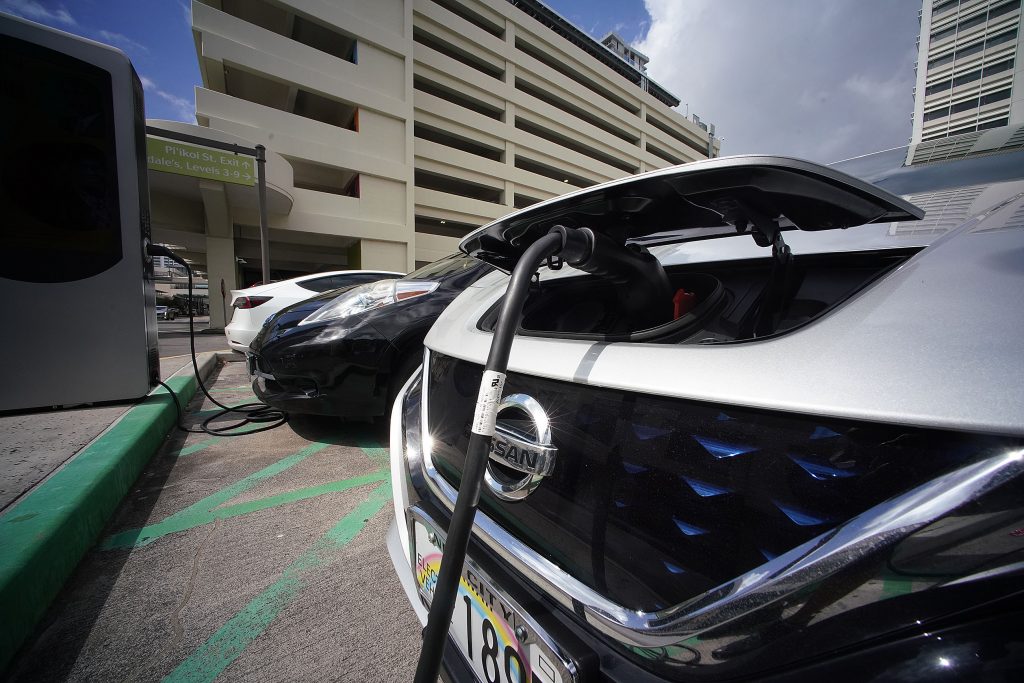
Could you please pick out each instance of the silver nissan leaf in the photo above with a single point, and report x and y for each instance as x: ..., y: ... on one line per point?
x: 784, y: 442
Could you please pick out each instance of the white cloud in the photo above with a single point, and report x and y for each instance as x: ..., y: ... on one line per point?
x: 183, y: 108
x: 186, y: 9
x: 30, y: 9
x: 804, y: 78
x: 121, y: 41
x: 878, y: 88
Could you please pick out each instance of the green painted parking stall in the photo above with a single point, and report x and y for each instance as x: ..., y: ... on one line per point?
x: 233, y: 557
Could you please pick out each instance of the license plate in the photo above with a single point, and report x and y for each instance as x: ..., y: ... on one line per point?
x: 494, y: 635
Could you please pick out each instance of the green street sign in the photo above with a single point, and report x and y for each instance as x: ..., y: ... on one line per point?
x: 199, y: 162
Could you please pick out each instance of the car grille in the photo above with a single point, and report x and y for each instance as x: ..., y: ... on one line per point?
x: 655, y: 500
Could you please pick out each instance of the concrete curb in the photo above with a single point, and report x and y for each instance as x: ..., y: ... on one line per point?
x: 46, y: 533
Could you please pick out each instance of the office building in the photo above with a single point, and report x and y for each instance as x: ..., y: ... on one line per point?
x: 968, y: 69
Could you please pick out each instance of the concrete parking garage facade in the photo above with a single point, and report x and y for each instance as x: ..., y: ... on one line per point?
x: 407, y: 123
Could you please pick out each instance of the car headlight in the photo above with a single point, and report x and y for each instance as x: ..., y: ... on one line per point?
x: 370, y: 296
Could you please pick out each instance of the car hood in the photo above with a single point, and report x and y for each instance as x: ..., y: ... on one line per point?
x: 291, y: 316
x: 717, y: 197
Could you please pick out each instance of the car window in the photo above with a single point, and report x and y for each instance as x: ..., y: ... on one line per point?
x: 441, y: 268
x: 329, y: 282
x: 359, y: 279
x: 319, y: 284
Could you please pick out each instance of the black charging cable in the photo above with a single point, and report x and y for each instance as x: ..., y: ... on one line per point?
x: 581, y: 248
x: 253, y: 412
x: 491, y: 384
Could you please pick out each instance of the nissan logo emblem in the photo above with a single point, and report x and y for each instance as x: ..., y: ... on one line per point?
x: 519, y: 458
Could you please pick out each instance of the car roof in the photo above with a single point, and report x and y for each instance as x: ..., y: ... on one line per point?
x: 328, y: 273
x: 256, y: 289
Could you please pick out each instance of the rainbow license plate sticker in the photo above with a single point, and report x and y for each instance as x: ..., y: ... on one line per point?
x: 488, y: 627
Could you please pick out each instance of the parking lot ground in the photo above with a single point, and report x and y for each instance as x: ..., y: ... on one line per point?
x: 174, y: 337
x: 258, y: 557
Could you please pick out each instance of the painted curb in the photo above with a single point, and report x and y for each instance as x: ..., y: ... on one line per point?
x: 45, y: 534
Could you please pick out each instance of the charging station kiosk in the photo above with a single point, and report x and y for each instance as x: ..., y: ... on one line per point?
x: 77, y: 300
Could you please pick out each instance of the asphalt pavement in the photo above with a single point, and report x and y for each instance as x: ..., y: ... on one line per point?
x: 173, y: 337
x: 258, y: 557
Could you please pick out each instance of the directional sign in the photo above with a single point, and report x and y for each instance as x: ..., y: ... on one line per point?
x: 199, y: 162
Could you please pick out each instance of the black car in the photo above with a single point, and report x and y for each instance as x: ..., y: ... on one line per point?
x: 348, y: 351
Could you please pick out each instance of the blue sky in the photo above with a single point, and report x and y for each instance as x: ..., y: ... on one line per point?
x: 628, y: 18
x: 155, y: 34
x: 819, y: 80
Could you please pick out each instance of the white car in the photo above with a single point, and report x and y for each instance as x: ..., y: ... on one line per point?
x: 253, y: 306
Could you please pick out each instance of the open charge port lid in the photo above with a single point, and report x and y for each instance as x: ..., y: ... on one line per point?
x: 700, y: 200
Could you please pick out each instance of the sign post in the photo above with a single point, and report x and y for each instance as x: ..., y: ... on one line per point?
x: 261, y: 161
x: 189, y: 155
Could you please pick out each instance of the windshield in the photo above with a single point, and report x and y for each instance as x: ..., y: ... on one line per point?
x: 887, y: 169
x: 442, y: 268
x: 890, y: 170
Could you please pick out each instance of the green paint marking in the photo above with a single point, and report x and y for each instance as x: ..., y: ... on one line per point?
x: 297, y: 495
x: 178, y: 522
x: 21, y: 518
x: 895, y: 586
x: 196, y: 447
x: 197, y: 511
x: 231, y: 639
x: 45, y: 534
x: 373, y: 450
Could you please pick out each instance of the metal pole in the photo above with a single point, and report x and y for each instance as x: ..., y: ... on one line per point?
x: 223, y: 304
x: 261, y: 167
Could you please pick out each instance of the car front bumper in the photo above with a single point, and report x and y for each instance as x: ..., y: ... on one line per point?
x: 974, y: 614
x: 314, y: 373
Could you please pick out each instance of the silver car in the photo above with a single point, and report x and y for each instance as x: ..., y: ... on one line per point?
x: 165, y: 312
x: 780, y: 434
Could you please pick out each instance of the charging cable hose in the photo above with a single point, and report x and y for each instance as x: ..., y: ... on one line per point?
x: 256, y: 413
x: 491, y: 384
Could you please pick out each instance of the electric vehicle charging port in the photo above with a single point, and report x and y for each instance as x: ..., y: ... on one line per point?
x: 727, y: 299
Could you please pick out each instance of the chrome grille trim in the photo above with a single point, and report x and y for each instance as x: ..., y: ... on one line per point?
x: 866, y: 534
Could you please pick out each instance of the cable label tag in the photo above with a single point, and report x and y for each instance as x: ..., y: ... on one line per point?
x: 486, y: 413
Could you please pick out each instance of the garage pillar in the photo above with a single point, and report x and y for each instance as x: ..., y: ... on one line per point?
x: 221, y: 267
x: 220, y: 251
x: 378, y: 255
